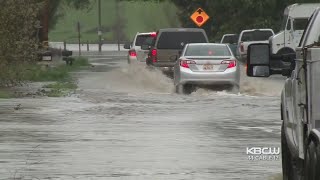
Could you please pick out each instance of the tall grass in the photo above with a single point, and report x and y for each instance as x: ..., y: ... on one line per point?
x: 60, y: 73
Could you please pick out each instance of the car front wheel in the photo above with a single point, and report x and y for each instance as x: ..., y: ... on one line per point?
x: 287, y: 169
x: 184, y: 89
x: 312, y: 161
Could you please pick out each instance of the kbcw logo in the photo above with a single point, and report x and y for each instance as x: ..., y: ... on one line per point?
x: 263, y: 151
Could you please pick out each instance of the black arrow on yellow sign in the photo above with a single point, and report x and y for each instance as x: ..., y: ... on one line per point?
x: 199, y: 11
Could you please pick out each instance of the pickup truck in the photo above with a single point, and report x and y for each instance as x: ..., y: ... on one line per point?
x: 300, y: 101
x: 169, y: 43
x: 252, y: 36
x: 231, y: 40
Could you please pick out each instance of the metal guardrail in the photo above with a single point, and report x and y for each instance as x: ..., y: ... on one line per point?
x: 86, y: 47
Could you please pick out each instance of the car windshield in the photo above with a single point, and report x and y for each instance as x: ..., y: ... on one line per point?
x: 256, y: 36
x: 300, y: 24
x: 177, y: 40
x: 143, y: 40
x: 207, y: 50
x: 231, y: 39
x: 314, y: 34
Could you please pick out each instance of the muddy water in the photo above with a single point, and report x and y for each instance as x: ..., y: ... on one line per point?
x: 126, y: 123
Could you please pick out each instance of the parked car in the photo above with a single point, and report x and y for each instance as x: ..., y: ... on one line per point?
x: 252, y: 36
x: 231, y: 40
x: 135, y: 53
x: 170, y: 42
x: 208, y: 64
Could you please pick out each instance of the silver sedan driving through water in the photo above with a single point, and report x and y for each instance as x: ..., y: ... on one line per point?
x: 206, y: 64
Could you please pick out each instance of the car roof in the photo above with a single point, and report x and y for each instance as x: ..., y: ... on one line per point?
x: 202, y: 44
x: 181, y: 29
x: 229, y: 34
x: 146, y: 33
x: 249, y: 30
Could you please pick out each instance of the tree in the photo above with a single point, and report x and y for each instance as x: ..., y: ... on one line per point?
x: 18, y: 43
x: 232, y: 16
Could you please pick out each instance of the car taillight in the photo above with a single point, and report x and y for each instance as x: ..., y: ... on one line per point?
x: 154, y: 55
x: 153, y: 34
x: 154, y: 52
x: 185, y: 63
x: 132, y: 53
x: 231, y: 63
x: 241, y: 47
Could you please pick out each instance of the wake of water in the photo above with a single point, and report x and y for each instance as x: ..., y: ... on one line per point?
x: 135, y: 78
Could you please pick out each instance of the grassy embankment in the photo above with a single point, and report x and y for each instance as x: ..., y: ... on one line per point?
x: 135, y: 17
x: 60, y: 75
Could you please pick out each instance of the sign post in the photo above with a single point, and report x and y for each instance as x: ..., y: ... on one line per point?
x: 99, y: 28
x: 199, y: 17
x: 79, y: 36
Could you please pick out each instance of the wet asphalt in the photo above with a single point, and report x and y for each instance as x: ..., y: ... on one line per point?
x: 126, y: 122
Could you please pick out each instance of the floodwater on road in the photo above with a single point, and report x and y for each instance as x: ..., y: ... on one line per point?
x: 127, y: 123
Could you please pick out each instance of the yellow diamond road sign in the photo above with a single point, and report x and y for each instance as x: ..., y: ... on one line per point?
x: 199, y: 17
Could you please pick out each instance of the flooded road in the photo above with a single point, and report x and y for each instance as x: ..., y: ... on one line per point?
x: 127, y: 123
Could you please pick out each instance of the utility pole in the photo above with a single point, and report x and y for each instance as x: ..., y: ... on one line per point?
x: 79, y: 36
x: 44, y: 38
x: 99, y: 29
x: 118, y: 23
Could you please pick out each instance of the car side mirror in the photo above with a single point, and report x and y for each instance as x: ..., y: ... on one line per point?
x: 258, y: 62
x: 127, y: 45
x: 145, y: 47
x: 180, y: 52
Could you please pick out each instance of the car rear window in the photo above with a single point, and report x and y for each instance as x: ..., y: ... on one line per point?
x: 230, y: 39
x: 207, y: 50
x: 256, y: 36
x: 177, y: 40
x: 143, y: 39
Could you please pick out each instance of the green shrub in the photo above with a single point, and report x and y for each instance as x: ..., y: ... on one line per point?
x: 5, y: 94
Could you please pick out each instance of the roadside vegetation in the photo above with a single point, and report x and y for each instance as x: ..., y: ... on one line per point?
x: 5, y: 94
x: 62, y: 88
x: 20, y: 46
x: 231, y: 16
x: 64, y: 84
x: 62, y: 81
x: 37, y: 73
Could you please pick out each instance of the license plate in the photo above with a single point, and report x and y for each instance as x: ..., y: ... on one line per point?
x: 208, y: 67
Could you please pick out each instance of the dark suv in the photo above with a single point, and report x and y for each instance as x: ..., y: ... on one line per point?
x: 169, y: 43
